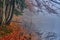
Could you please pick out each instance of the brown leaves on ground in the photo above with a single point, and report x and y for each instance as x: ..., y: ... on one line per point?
x: 19, y: 33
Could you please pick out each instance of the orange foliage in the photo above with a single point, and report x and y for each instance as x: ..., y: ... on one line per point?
x: 19, y: 33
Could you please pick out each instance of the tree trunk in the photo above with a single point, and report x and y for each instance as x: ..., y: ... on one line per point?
x: 10, y: 15
x: 3, y: 18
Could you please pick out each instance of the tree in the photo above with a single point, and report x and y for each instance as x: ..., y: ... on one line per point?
x: 10, y: 13
x: 8, y: 9
x: 3, y: 18
x: 7, y: 12
x: 21, y: 3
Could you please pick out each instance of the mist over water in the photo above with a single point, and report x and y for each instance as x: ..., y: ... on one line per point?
x: 44, y: 18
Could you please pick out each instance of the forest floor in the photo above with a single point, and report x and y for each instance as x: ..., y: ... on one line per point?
x: 19, y: 33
